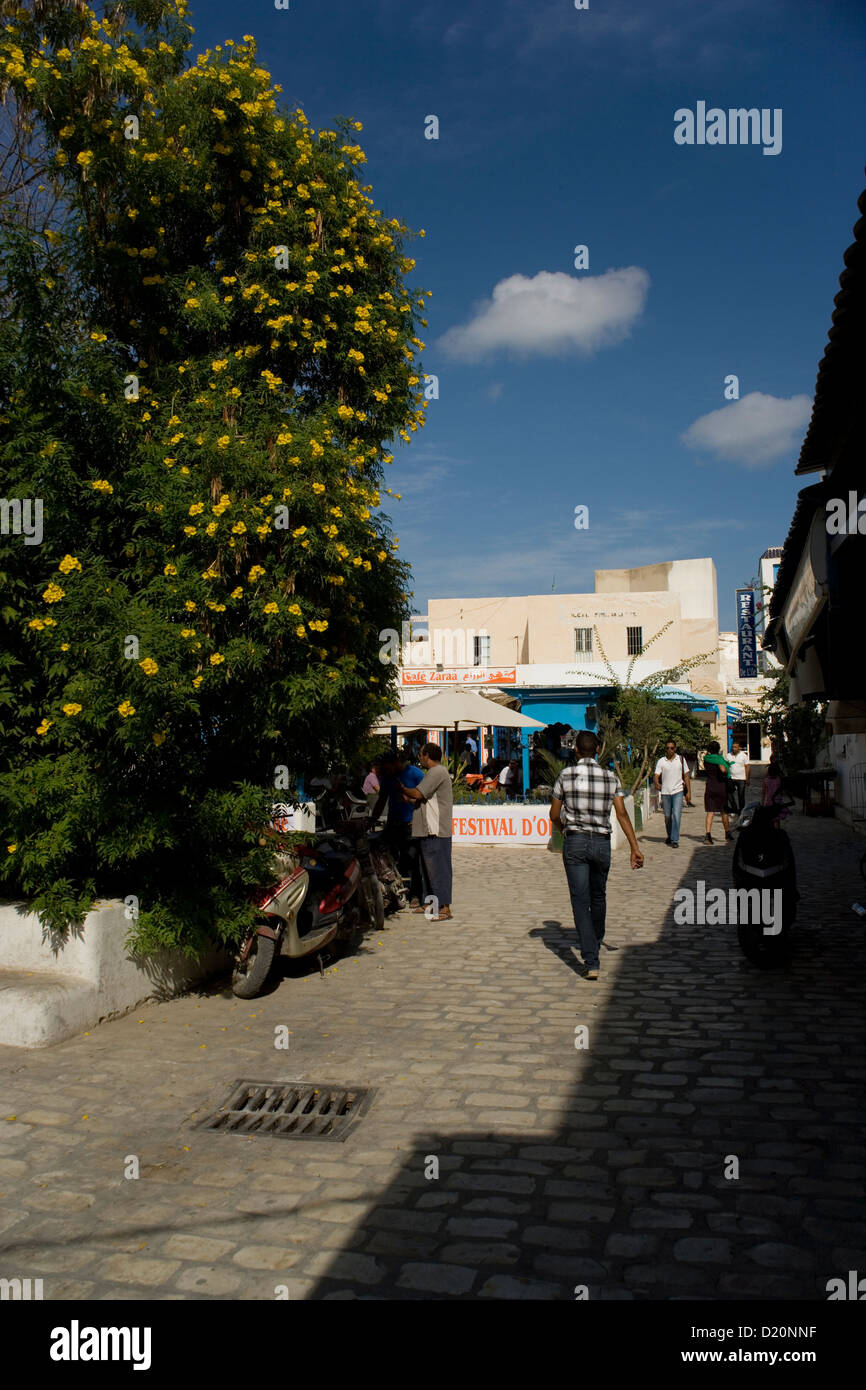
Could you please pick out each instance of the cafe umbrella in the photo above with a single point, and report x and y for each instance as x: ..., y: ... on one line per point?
x: 460, y: 710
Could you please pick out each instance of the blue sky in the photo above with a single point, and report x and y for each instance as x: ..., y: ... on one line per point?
x: 558, y: 386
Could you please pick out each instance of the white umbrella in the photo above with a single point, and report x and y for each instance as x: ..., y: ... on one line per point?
x: 464, y: 709
x: 455, y: 709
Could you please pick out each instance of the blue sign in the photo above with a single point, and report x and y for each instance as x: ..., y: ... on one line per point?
x: 746, y: 633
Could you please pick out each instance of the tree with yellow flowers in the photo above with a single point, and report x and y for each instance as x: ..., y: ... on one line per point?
x: 203, y: 362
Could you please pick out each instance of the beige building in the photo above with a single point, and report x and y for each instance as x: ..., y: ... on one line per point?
x: 655, y: 616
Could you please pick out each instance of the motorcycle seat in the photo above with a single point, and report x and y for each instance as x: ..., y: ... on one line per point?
x: 334, y: 853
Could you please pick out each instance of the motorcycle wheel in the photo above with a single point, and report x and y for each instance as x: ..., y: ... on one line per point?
x: 374, y: 903
x: 250, y: 976
x: 767, y: 952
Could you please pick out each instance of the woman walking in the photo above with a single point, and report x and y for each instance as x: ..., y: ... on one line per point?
x: 716, y: 793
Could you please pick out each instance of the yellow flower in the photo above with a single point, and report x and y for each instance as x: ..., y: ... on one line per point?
x: 284, y: 437
x: 301, y: 630
x: 211, y: 527
x: 191, y: 304
x: 149, y: 666
x: 98, y: 337
x: 71, y: 709
x: 125, y: 709
x: 238, y: 529
x: 10, y: 849
x: 197, y: 680
x: 196, y: 508
x: 37, y: 624
x: 220, y: 365
x: 236, y: 593
x: 44, y: 726
x: 84, y: 158
x: 158, y: 738
x: 102, y: 486
x: 216, y: 659
x: 64, y: 646
x: 318, y: 487
x: 170, y: 569
x: 272, y: 608
x: 255, y: 573
x: 224, y: 441
x: 299, y: 531
x: 190, y: 531
x: 189, y: 606
x: 187, y: 632
x: 295, y: 608
x: 53, y: 593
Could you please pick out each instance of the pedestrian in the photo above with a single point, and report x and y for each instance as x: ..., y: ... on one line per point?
x: 371, y: 781
x: 772, y: 794
x: 505, y: 779
x: 716, y: 791
x: 580, y: 809
x: 432, y: 803
x: 672, y: 780
x: 739, y: 776
x: 396, y: 773
x: 470, y: 748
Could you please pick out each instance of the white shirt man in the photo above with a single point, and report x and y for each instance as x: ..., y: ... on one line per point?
x: 739, y: 774
x: 672, y: 780
x: 739, y: 766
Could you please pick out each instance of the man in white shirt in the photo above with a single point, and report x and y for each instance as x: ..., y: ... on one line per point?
x: 672, y: 780
x: 739, y: 775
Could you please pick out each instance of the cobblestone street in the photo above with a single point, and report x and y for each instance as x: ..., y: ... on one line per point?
x: 559, y: 1166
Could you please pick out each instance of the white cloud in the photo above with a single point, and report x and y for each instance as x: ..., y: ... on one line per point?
x: 552, y: 313
x: 754, y: 431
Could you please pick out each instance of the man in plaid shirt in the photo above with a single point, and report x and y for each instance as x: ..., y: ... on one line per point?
x: 582, y: 797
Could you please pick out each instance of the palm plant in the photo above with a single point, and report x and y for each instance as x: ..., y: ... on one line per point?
x: 630, y: 727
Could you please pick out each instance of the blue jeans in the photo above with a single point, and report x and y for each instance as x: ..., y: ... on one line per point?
x: 673, y: 810
x: 587, y: 863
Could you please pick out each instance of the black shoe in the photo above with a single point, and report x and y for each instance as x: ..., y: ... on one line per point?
x: 668, y: 840
x: 728, y: 835
x: 675, y: 844
x: 708, y: 839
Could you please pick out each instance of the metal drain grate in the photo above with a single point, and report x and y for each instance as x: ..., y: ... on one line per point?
x: 292, y: 1110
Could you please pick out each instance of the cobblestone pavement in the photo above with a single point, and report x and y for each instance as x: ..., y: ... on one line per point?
x: 558, y: 1166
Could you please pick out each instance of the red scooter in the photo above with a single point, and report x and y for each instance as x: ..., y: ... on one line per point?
x: 327, y: 890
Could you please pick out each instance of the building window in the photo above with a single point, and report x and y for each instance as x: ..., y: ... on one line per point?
x: 481, y: 651
x: 583, y: 641
x: 634, y: 636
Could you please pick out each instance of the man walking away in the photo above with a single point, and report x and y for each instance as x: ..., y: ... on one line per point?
x: 672, y: 780
x: 433, y: 808
x: 739, y: 776
x: 396, y: 774
x: 582, y: 797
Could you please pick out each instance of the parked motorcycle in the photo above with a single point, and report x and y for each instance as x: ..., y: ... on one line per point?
x: 764, y: 860
x: 327, y: 890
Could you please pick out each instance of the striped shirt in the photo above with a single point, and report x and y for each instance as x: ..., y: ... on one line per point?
x: 586, y: 792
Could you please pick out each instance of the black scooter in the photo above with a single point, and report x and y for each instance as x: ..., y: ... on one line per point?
x: 764, y: 860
